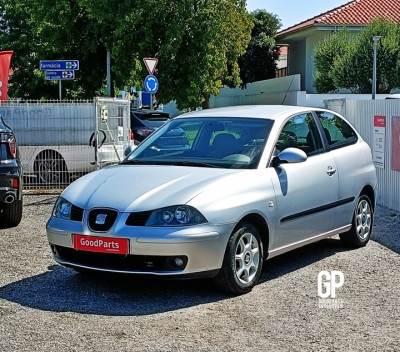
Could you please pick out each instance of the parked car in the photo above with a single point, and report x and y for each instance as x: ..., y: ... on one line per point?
x: 10, y: 178
x: 57, y: 141
x: 232, y: 188
x: 145, y: 122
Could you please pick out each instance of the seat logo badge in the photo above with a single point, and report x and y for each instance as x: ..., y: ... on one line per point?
x: 101, y: 219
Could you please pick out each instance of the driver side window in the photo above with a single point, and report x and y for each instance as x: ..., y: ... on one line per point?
x: 300, y: 132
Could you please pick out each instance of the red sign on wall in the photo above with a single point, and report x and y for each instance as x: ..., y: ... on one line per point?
x: 396, y: 143
x: 379, y: 136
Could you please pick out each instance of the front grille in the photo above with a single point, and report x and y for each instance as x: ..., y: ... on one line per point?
x: 142, y: 263
x: 76, y: 213
x: 138, y: 219
x: 101, y: 220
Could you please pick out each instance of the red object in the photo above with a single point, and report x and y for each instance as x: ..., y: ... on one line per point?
x: 396, y: 143
x: 101, y: 244
x: 12, y: 145
x: 5, y: 61
x: 15, y: 183
x: 356, y: 12
x: 379, y: 121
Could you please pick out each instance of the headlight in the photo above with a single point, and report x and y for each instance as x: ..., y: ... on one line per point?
x: 179, y: 215
x: 62, y: 209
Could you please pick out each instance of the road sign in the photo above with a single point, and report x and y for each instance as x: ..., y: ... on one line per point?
x: 59, y: 75
x: 151, y: 64
x: 151, y: 84
x: 59, y: 65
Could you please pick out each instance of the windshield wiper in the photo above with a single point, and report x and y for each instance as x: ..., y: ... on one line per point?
x: 135, y: 162
x: 167, y: 162
x: 192, y: 163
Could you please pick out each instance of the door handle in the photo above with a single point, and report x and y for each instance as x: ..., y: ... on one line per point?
x: 331, y: 170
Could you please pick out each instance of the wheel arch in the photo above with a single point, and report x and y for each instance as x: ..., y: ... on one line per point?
x: 368, y: 190
x: 49, y: 152
x: 262, y: 225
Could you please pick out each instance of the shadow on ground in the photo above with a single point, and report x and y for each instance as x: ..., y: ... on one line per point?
x: 61, y: 289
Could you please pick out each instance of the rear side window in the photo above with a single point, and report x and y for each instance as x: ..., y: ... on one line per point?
x: 337, y: 131
x: 300, y: 132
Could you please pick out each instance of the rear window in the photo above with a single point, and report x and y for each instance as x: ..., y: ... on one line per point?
x: 3, y: 151
x: 150, y: 120
x: 337, y: 131
x: 152, y: 116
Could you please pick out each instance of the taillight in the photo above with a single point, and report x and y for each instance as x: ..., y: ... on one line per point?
x: 15, y: 183
x: 12, y: 145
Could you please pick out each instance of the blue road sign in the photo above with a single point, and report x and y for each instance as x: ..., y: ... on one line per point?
x: 151, y: 84
x: 59, y: 65
x: 59, y: 75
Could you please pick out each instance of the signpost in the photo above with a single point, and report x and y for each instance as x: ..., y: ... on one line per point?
x: 59, y: 65
x: 151, y: 84
x: 59, y: 75
x: 151, y: 64
x: 59, y: 70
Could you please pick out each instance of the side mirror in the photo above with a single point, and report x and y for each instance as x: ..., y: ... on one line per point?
x: 128, y: 150
x: 290, y: 156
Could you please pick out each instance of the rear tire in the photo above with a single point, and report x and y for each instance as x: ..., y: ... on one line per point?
x: 243, y: 261
x: 361, y: 229
x: 12, y: 214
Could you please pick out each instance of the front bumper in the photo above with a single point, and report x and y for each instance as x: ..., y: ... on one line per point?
x: 202, y: 247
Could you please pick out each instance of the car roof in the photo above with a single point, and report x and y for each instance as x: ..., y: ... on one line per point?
x: 271, y: 112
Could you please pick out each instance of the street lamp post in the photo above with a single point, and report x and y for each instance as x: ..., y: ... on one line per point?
x: 376, y: 40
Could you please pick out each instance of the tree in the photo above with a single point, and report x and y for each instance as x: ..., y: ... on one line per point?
x: 345, y: 61
x: 259, y: 61
x: 198, y: 42
x: 329, y: 50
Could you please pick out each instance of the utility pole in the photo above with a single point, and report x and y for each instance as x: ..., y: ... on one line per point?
x: 376, y: 40
x: 109, y: 72
x: 59, y: 89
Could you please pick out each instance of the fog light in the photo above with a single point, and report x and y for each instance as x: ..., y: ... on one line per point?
x: 178, y: 262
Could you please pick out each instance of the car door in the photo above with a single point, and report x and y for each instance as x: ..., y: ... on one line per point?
x: 351, y: 161
x: 306, y: 192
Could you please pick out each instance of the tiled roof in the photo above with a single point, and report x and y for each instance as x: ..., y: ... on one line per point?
x: 356, y: 12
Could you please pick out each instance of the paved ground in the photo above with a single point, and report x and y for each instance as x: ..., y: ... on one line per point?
x: 44, y: 307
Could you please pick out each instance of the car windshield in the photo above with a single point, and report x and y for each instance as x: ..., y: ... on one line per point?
x: 207, y: 142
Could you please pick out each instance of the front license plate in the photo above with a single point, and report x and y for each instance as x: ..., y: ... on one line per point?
x: 101, y: 244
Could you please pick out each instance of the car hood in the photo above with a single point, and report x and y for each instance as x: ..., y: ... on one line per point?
x: 141, y: 187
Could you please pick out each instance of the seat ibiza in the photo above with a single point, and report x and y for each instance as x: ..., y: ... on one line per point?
x: 215, y: 193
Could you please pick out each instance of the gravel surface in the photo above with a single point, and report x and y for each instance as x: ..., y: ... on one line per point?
x: 45, y: 307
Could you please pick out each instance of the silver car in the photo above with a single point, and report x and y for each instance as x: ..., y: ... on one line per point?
x: 217, y: 192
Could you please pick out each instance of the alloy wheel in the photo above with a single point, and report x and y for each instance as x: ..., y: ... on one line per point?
x: 363, y: 219
x: 247, y: 258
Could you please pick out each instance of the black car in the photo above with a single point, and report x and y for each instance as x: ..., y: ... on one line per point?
x: 145, y: 122
x: 10, y: 178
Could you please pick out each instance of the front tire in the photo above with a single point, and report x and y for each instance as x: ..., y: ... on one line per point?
x: 363, y: 219
x: 243, y: 261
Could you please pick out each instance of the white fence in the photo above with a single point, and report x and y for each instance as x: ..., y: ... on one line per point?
x: 62, y: 140
x: 361, y: 114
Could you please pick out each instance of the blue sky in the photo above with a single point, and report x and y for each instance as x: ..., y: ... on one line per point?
x: 294, y: 11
